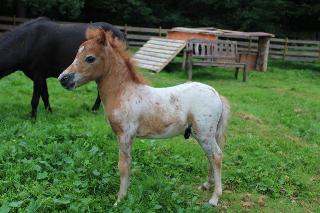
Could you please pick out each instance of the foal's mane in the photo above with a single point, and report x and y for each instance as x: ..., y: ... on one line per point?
x: 120, y: 47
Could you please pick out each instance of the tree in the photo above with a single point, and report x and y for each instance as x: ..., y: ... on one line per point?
x: 56, y: 8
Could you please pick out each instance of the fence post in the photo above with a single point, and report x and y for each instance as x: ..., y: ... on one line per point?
x: 160, y: 31
x: 14, y: 19
x: 126, y: 29
x: 250, y: 43
x: 319, y: 50
x: 285, y: 50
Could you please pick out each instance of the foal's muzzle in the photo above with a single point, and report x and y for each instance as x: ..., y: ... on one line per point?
x: 67, y: 81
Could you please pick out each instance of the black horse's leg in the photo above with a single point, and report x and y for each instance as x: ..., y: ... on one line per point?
x: 45, y: 96
x: 96, y: 103
x: 35, y: 97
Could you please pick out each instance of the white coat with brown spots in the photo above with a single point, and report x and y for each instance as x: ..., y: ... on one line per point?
x: 135, y: 109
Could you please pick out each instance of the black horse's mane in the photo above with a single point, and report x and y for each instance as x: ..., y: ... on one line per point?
x: 12, y: 34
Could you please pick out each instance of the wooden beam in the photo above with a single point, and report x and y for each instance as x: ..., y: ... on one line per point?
x: 263, y: 53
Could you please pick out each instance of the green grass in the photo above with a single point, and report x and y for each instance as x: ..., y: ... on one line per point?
x: 67, y: 160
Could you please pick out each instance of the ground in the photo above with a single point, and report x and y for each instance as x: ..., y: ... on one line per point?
x: 67, y: 160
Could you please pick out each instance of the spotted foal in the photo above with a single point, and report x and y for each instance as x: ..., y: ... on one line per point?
x: 135, y: 109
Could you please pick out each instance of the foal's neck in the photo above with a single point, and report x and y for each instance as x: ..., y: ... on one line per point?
x: 113, y: 84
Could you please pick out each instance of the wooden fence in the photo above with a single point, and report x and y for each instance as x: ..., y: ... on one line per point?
x: 285, y: 49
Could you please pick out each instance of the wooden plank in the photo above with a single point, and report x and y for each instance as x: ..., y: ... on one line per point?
x: 263, y: 54
x: 280, y: 40
x: 148, y: 49
x: 119, y: 27
x: 146, y: 55
x: 145, y: 29
x: 155, y: 66
x: 276, y: 46
x: 277, y: 52
x: 276, y: 40
x: 247, y: 44
x: 163, y: 43
x: 150, y: 67
x: 304, y: 48
x: 241, y: 49
x: 203, y: 63
x: 173, y: 55
x: 291, y: 58
x: 292, y: 41
x: 138, y: 37
x: 296, y: 53
x: 168, y: 40
x: 160, y: 47
x: 10, y: 19
x: 160, y: 55
x: 141, y: 61
x: 281, y: 47
x: 285, y: 48
x: 237, y: 36
x: 6, y: 27
x: 156, y: 59
x: 136, y: 43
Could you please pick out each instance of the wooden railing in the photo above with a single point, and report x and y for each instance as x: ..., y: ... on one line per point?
x: 285, y: 49
x: 137, y: 36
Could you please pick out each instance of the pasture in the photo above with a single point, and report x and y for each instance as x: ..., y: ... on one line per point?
x: 67, y: 160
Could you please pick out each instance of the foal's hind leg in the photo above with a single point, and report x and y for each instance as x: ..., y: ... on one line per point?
x: 214, y: 155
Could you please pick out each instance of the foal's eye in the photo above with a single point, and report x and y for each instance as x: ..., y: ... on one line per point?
x: 90, y: 59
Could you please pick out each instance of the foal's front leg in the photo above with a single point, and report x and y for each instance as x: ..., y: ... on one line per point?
x: 124, y: 164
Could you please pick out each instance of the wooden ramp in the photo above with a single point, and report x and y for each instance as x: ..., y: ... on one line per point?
x: 157, y: 53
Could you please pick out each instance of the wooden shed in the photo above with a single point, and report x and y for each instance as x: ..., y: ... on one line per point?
x: 255, y: 61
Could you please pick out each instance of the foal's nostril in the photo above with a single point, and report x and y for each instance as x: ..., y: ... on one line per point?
x: 64, y: 79
x: 67, y: 80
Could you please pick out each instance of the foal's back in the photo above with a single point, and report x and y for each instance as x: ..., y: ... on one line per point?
x: 174, y: 109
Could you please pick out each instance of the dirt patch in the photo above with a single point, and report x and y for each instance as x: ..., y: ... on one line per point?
x: 262, y: 201
x: 247, y: 204
x: 248, y: 117
x: 293, y: 138
x: 298, y: 110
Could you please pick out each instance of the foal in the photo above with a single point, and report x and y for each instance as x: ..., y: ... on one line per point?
x: 135, y: 109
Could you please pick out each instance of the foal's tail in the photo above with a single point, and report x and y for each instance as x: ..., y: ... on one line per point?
x: 223, y: 122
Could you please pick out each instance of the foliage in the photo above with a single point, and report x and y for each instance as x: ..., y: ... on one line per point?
x: 67, y: 161
x: 282, y: 17
x: 58, y: 8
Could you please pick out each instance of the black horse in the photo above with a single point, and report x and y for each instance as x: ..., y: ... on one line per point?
x: 42, y: 49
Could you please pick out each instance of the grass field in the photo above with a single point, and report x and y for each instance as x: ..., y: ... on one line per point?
x: 67, y: 160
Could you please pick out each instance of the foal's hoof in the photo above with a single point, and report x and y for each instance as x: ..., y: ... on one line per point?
x: 116, y: 203
x: 204, y: 187
x: 213, y: 202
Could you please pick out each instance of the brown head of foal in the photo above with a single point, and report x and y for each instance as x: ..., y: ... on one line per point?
x: 101, y: 56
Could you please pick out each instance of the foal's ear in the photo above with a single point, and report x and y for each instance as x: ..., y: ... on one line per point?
x: 96, y: 33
